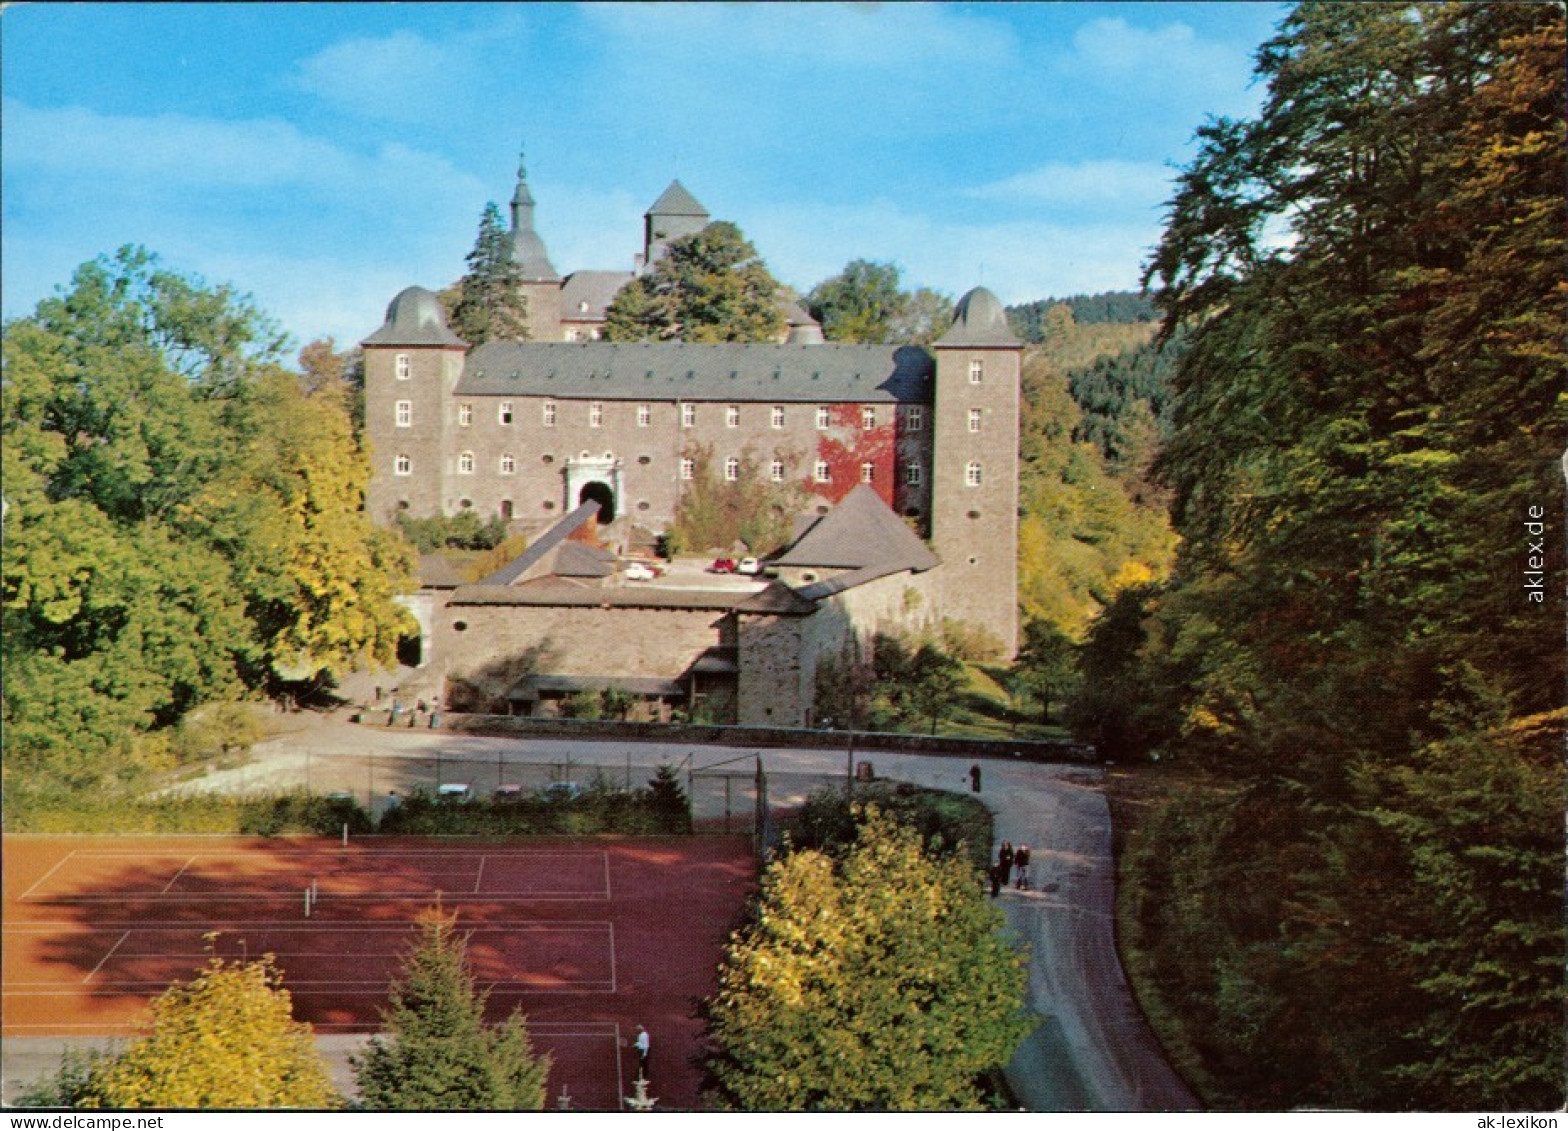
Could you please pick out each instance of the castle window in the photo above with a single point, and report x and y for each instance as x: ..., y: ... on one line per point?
x: 731, y: 470
x: 972, y: 474
x: 732, y: 416
x: 776, y: 471
x: 912, y: 474
x: 465, y: 414
x: 821, y: 472
x: 868, y: 472
x: 688, y: 468
x: 915, y: 417
x: 644, y: 416
x: 596, y: 415
x: 508, y: 464
x: 503, y: 413
x: 974, y: 420
x: 778, y: 416
x: 976, y: 371
x: 506, y: 509
x: 403, y: 466
x: 868, y: 418
x: 404, y: 414
x: 824, y: 416
x: 465, y: 463
x: 549, y: 414
x: 404, y: 367
x: 688, y: 415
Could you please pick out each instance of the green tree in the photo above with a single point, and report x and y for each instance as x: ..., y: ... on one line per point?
x: 858, y: 304
x: 226, y: 1039
x: 715, y: 511
x: 439, y: 1054
x: 490, y: 306
x: 874, y: 981
x: 669, y: 801
x: 710, y: 286
x: 1047, y: 664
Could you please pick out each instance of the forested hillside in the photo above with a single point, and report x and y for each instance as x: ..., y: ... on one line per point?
x: 183, y: 525
x: 1363, y: 633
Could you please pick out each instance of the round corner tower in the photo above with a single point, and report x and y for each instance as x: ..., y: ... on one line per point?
x: 974, y: 488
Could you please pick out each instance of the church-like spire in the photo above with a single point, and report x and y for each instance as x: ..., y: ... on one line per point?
x: 527, y: 248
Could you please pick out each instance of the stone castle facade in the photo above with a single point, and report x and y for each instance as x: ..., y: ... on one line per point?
x: 532, y: 431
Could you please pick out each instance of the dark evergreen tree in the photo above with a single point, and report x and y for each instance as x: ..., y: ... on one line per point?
x: 491, y: 305
x: 439, y: 1053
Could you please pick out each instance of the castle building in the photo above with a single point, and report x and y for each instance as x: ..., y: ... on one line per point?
x: 875, y: 436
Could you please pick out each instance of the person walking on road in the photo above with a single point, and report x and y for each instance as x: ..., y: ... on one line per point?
x: 974, y: 777
x: 1021, y: 862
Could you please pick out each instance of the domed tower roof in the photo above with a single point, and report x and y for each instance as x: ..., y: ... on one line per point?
x: 415, y: 318
x: 979, y: 320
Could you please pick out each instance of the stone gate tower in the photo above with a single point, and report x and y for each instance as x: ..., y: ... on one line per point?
x: 974, y: 487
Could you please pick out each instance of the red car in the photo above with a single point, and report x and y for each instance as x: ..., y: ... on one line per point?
x: 722, y: 565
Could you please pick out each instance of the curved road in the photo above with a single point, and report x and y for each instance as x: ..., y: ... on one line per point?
x: 1093, y: 1051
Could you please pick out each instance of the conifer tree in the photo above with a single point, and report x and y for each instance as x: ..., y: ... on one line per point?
x: 439, y: 1053
x: 491, y: 306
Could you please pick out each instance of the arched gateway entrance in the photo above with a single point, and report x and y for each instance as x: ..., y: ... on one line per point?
x: 597, y: 479
x: 599, y: 493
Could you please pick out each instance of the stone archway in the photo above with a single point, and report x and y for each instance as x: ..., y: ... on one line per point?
x: 601, y: 493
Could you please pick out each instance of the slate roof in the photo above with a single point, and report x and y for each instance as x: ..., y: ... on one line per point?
x: 862, y: 533
x: 414, y: 318
x: 729, y: 371
x: 561, y: 593
x: 676, y: 201
x: 597, y: 288
x: 514, y: 570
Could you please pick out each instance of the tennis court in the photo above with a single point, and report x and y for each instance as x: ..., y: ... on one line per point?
x: 590, y: 937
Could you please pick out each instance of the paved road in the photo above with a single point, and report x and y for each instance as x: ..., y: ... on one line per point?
x: 1093, y: 1050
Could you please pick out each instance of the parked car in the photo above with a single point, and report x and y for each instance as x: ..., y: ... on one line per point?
x: 636, y: 571
x: 750, y: 566
x: 454, y: 791
x: 561, y: 791
x: 507, y: 792
x: 722, y: 565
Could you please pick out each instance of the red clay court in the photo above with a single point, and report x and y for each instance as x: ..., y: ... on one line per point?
x: 590, y: 937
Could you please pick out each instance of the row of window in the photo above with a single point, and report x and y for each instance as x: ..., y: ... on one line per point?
x: 405, y: 369
x: 821, y: 472
x: 914, y: 415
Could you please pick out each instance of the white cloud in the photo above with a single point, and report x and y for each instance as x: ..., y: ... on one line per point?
x: 184, y: 153
x: 1113, y: 45
x: 1020, y: 261
x: 1086, y: 184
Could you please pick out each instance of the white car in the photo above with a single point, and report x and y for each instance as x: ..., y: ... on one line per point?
x: 749, y: 566
x: 636, y: 571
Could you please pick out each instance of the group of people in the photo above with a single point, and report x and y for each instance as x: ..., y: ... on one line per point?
x: 1008, y: 860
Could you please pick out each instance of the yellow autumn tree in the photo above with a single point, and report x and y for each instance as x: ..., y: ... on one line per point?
x: 225, y: 1039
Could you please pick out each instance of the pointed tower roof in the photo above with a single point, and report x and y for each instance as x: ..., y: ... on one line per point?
x: 980, y: 320
x: 676, y: 201
x: 861, y: 533
x: 527, y: 248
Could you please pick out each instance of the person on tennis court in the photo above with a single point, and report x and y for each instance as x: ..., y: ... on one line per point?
x: 642, y: 1044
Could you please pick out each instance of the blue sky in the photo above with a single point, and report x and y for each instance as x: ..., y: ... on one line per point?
x: 320, y: 157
